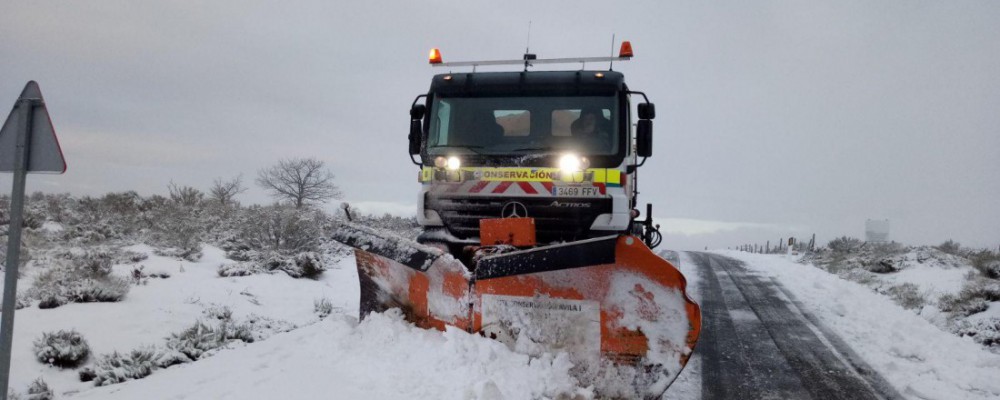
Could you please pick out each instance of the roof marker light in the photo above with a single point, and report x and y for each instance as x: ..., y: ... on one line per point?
x: 435, y: 56
x: 626, y: 50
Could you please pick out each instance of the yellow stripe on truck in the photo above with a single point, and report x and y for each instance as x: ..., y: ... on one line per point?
x: 595, y: 175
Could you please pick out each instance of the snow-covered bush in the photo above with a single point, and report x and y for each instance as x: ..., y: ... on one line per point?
x: 881, y: 265
x: 950, y: 246
x: 89, y: 281
x: 303, y: 265
x: 986, y: 262
x: 195, y: 340
x: 201, y: 338
x: 218, y: 312
x: 242, y: 268
x: 185, y: 196
x: 192, y: 253
x: 281, y: 228
x: 322, y: 307
x: 65, y: 349
x: 972, y: 299
x: 907, y: 296
x: 118, y: 367
x: 132, y: 257
x: 179, y: 222
x: 844, y: 244
x: 984, y: 331
x: 39, y: 390
x: 87, y: 374
x: 403, y: 226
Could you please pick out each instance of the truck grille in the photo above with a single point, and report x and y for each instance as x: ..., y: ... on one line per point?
x: 556, y: 218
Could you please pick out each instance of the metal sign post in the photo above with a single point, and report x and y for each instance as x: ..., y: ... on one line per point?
x: 27, y: 144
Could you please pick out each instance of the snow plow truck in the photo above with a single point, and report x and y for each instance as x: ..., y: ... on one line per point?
x: 531, y: 233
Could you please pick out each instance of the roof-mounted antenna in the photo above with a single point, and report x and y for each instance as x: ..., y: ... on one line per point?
x: 527, y: 50
x: 611, y: 64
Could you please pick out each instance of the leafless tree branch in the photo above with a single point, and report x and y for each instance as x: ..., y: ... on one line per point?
x: 301, y: 181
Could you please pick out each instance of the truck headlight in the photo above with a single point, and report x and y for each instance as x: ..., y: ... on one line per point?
x: 570, y: 163
x: 454, y: 163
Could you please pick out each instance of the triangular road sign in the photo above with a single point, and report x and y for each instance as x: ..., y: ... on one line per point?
x: 44, y: 153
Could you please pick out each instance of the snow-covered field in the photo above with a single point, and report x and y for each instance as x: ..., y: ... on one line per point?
x: 915, y: 356
x: 301, y: 354
x: 336, y: 357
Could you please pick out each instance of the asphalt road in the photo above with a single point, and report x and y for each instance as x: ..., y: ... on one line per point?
x: 757, y: 342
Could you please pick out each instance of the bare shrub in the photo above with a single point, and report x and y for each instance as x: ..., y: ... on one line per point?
x: 989, y: 291
x: 66, y: 349
x: 223, y: 192
x: 39, y: 390
x: 973, y: 298
x: 888, y: 249
x: 950, y: 246
x: 322, y: 307
x: 185, y: 196
x: 282, y: 229
x: 845, y: 244
x: 178, y: 222
x: 987, y: 263
x: 907, y: 296
x: 861, y: 276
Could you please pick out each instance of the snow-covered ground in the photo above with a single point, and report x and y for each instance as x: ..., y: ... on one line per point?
x: 152, y: 311
x: 386, y: 358
x: 381, y: 358
x: 915, y: 356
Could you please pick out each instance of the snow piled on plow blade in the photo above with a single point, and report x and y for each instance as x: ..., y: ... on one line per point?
x: 624, y: 321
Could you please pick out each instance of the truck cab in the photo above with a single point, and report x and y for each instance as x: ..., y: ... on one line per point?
x: 555, y: 146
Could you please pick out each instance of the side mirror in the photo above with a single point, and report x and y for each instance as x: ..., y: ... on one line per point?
x: 417, y: 112
x: 416, y: 127
x: 416, y: 131
x: 644, y: 138
x: 647, y: 111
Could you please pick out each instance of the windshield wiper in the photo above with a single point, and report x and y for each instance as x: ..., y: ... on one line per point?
x: 471, y: 148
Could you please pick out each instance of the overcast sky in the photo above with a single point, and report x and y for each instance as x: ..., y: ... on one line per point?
x: 774, y: 118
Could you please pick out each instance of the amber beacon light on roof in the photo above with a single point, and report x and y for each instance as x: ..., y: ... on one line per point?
x: 624, y: 54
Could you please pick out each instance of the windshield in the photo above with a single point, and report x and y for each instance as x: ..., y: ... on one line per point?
x: 524, y: 125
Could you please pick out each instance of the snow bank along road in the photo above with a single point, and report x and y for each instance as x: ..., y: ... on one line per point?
x: 756, y: 343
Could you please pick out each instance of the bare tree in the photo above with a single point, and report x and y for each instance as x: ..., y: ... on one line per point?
x: 224, y: 192
x: 185, y: 195
x: 300, y: 181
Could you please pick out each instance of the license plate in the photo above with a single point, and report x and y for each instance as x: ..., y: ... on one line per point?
x: 575, y: 191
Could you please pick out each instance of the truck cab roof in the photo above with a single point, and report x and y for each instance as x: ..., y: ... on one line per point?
x: 528, y: 83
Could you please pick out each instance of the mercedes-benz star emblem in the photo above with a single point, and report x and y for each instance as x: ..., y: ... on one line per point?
x: 514, y: 209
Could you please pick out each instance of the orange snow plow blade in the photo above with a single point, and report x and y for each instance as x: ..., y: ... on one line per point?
x: 620, y: 311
